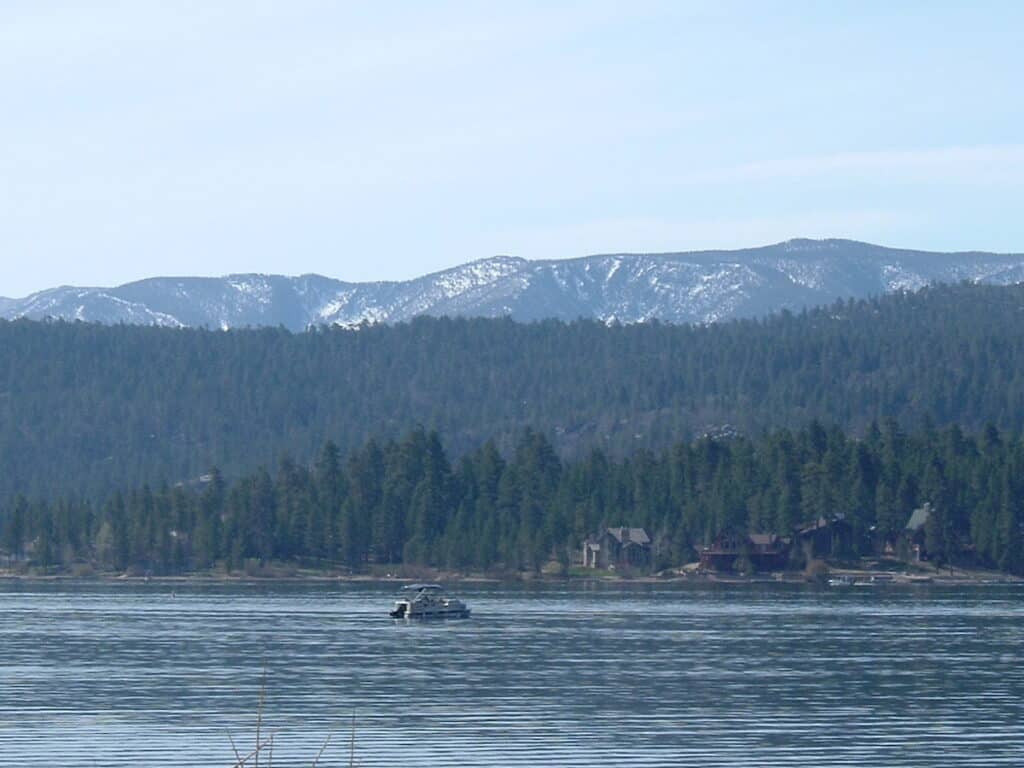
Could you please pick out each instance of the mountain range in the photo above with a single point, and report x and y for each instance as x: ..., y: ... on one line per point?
x: 697, y: 286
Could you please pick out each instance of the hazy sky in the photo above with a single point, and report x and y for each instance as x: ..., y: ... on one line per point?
x: 384, y: 140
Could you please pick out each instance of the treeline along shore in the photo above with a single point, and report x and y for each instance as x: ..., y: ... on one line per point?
x: 405, y: 502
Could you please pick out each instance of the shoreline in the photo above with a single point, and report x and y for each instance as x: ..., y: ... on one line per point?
x: 873, y: 577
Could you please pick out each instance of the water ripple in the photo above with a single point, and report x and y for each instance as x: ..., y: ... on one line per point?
x: 646, y: 675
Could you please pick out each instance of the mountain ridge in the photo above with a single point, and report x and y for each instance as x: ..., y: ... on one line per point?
x: 678, y: 287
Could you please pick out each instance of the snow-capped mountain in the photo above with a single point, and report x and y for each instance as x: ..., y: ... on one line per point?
x: 700, y: 286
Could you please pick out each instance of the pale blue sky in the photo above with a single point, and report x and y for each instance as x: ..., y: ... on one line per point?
x: 385, y: 140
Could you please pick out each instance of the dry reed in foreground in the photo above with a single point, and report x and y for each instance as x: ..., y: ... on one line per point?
x: 265, y: 746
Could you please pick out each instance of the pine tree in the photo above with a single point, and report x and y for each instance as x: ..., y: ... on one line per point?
x: 13, y: 531
x: 1009, y: 539
x: 207, y: 546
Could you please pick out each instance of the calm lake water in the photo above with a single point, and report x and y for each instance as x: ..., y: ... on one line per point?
x: 637, y: 675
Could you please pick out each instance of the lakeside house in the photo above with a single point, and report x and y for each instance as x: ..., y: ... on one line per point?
x: 618, y: 547
x: 825, y: 537
x: 914, y: 533
x: 763, y: 551
x: 909, y: 543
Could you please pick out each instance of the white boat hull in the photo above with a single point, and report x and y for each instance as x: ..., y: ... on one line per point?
x: 428, y: 604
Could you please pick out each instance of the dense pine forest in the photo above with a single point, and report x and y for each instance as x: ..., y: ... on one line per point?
x: 406, y: 502
x: 86, y: 410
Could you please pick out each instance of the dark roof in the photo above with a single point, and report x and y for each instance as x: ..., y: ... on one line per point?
x: 821, y: 522
x: 630, y: 535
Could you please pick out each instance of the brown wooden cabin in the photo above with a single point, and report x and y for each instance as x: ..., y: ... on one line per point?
x: 825, y: 537
x: 765, y: 551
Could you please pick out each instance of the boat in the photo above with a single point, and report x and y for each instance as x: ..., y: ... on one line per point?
x: 428, y: 601
x: 843, y: 580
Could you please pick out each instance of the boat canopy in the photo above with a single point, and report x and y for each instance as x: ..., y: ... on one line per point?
x: 421, y: 587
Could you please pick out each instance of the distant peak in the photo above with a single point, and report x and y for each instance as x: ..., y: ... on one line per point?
x: 499, y: 259
x: 812, y: 245
x: 490, y: 264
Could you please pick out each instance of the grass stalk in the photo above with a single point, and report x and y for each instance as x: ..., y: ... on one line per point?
x: 241, y: 761
x: 318, y: 754
x: 352, y: 743
x: 238, y: 757
x: 259, y: 712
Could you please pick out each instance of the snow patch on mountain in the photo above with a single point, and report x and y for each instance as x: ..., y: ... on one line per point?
x: 809, y: 275
x: 899, y: 278
x: 253, y: 288
x: 478, y: 273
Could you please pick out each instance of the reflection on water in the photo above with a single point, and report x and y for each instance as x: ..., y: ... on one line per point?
x: 118, y: 674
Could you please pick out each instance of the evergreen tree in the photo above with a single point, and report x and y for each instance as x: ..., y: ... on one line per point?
x: 403, y: 503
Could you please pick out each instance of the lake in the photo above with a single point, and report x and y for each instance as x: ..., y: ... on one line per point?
x: 108, y: 674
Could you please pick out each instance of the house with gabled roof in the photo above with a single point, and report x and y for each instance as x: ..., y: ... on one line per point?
x: 618, y: 547
x: 825, y: 536
x: 763, y: 551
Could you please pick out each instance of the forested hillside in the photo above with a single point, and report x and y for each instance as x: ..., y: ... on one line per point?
x: 87, y: 409
x: 405, y: 502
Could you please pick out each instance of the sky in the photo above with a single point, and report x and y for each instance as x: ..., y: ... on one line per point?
x: 369, y: 141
